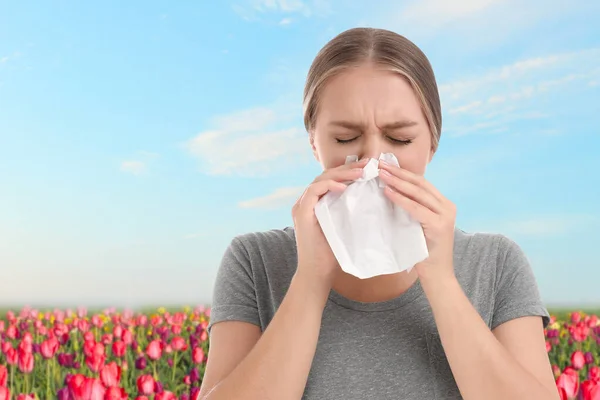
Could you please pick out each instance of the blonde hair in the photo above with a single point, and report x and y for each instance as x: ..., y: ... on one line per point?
x: 386, y: 49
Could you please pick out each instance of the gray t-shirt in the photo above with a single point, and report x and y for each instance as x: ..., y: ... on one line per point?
x: 383, y: 350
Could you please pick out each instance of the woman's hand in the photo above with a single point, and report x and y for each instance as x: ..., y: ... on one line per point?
x: 436, y: 214
x: 316, y: 261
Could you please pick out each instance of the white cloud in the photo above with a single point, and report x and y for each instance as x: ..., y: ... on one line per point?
x: 279, y: 198
x: 475, y: 104
x: 133, y: 167
x: 285, y: 21
x: 437, y: 13
x: 249, y: 142
x: 252, y: 10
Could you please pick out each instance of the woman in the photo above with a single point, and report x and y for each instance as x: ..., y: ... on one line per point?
x: 288, y: 323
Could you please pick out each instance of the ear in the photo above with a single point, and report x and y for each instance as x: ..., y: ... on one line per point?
x: 311, y: 139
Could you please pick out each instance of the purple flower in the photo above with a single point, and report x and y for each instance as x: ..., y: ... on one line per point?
x: 194, y: 375
x: 158, y: 387
x: 141, y: 363
x: 589, y: 358
x: 64, y: 394
x: 194, y: 392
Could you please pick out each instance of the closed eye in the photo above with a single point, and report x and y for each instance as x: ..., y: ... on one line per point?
x: 395, y: 141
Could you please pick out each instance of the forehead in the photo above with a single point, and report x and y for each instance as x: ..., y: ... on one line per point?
x: 368, y: 92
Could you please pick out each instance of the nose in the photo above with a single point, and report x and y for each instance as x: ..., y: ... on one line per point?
x: 372, y: 145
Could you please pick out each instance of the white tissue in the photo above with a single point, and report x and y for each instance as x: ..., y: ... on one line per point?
x: 369, y: 234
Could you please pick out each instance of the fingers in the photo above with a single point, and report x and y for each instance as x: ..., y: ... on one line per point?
x: 334, y: 179
x: 344, y: 173
x: 314, y: 192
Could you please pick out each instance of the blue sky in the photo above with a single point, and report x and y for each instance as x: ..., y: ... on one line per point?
x: 136, y: 139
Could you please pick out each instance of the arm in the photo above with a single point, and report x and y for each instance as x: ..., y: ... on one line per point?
x: 278, y: 364
x: 510, y: 363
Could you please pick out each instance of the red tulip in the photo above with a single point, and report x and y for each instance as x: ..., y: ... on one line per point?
x: 96, y: 360
x: 187, y: 380
x: 88, y: 347
x: 577, y: 360
x: 165, y: 396
x: 4, y: 393
x: 154, y: 350
x: 3, y: 375
x: 568, y: 383
x: 594, y: 373
x: 115, y: 393
x: 590, y: 390
x: 26, y: 397
x: 110, y: 374
x: 198, y: 355
x: 49, y: 347
x: 76, y: 385
x: 6, y: 346
x: 118, y: 348
x: 26, y: 344
x: 139, y: 398
x: 145, y: 384
x: 178, y: 343
x: 548, y: 347
x: 26, y: 361
x: 12, y: 356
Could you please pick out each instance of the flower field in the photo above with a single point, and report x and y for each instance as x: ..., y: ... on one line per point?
x: 110, y: 355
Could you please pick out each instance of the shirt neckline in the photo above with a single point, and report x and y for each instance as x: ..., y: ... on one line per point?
x: 412, y: 293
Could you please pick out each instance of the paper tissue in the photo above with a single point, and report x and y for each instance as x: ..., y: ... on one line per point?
x: 369, y: 234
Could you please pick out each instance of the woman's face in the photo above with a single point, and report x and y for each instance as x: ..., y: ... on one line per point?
x: 367, y: 111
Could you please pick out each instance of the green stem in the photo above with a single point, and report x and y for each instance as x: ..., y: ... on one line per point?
x: 154, y: 368
x: 174, y: 368
x: 48, y: 391
x: 12, y: 378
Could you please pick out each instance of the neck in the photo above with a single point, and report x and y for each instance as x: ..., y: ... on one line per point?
x: 376, y: 289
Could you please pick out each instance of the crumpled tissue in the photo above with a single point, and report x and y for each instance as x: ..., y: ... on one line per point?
x: 369, y: 234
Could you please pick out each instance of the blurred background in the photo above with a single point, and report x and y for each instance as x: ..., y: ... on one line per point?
x: 138, y: 138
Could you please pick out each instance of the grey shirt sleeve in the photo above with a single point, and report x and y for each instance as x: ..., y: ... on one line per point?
x: 516, y: 290
x: 234, y: 295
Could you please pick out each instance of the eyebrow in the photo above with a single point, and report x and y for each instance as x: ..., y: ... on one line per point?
x: 400, y: 124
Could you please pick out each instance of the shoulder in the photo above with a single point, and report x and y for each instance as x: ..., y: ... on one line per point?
x: 260, y: 248
x: 261, y: 241
x: 491, y: 246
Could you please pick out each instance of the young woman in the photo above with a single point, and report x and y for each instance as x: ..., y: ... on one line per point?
x: 288, y: 323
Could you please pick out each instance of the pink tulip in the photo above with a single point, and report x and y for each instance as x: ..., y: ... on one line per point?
x: 49, y: 348
x: 110, y: 374
x: 12, y: 356
x: 166, y: 395
x: 127, y: 337
x: 119, y: 348
x: 577, y: 360
x: 178, y: 343
x: 139, y: 398
x: 118, y: 331
x: 26, y: 397
x: 4, y: 393
x: 145, y: 384
x: 154, y: 350
x: 198, y: 355
x: 96, y: 360
x: 26, y: 361
x: 568, y: 383
x: 548, y: 346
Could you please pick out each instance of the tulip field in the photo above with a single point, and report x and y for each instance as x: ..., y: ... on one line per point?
x: 161, y: 355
